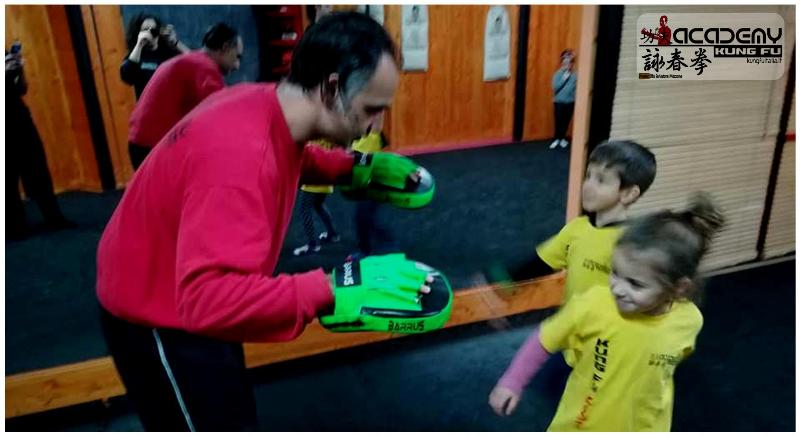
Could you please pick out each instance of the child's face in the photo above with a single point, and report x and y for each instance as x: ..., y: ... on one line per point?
x: 601, y: 188
x: 634, y: 282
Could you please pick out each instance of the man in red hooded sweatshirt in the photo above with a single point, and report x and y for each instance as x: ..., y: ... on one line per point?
x: 178, y: 85
x: 185, y: 265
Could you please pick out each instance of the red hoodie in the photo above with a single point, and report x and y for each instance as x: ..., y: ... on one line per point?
x: 177, y: 86
x: 194, y: 241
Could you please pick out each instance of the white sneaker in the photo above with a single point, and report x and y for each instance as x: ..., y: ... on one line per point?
x: 306, y: 249
x: 564, y: 143
x: 554, y: 144
x: 324, y: 237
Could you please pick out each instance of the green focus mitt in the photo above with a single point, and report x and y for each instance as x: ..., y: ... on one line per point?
x: 390, y: 178
x: 382, y: 293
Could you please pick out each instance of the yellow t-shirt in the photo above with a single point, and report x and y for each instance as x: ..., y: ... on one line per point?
x: 366, y: 144
x: 622, y: 377
x: 369, y: 143
x: 584, y: 250
x: 320, y: 189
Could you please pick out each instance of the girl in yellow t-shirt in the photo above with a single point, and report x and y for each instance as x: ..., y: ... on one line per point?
x: 628, y: 336
x: 312, y: 198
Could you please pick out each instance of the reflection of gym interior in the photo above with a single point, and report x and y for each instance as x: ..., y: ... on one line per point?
x: 504, y: 184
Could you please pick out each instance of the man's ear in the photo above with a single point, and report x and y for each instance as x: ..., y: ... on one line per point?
x: 329, y: 90
x: 630, y: 194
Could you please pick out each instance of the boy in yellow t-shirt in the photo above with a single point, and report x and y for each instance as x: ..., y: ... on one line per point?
x: 617, y: 174
x: 627, y: 336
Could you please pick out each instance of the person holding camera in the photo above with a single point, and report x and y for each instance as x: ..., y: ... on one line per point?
x: 179, y: 85
x: 149, y: 45
x: 25, y: 158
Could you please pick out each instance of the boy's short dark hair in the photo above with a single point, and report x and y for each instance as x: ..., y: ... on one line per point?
x: 635, y: 164
x: 218, y: 35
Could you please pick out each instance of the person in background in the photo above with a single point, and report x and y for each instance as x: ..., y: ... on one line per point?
x: 149, y: 45
x: 179, y: 85
x: 564, y: 83
x: 312, y: 199
x: 25, y: 157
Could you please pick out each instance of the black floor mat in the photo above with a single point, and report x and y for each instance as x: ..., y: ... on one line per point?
x: 741, y: 378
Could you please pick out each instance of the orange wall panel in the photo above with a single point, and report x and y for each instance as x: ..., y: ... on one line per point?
x: 54, y: 94
x: 105, y: 34
x: 450, y: 103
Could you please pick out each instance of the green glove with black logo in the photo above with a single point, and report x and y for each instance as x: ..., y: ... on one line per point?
x: 390, y: 178
x: 385, y: 293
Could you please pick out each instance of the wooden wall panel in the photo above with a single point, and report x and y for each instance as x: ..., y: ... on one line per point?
x: 105, y: 34
x: 450, y: 103
x: 54, y: 94
x: 584, y: 66
x: 552, y: 29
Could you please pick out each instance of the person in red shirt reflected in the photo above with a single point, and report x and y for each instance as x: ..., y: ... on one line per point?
x: 178, y: 85
x: 185, y: 266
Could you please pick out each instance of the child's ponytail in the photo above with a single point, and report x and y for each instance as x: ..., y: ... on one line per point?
x: 704, y: 216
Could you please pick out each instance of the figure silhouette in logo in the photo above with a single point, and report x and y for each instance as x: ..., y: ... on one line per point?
x: 664, y: 34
